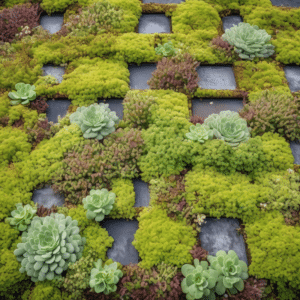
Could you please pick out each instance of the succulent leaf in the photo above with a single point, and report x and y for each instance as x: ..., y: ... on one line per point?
x: 24, y: 92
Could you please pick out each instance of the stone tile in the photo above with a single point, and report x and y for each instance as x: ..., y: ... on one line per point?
x: 152, y: 23
x: 292, y: 74
x: 287, y: 3
x: 220, y: 234
x: 142, y: 195
x: 55, y: 71
x: 204, y: 108
x: 52, y: 23
x: 47, y: 197
x: 164, y: 1
x: 295, y: 146
x: 139, y: 75
x: 56, y: 108
x: 229, y: 21
x: 216, y: 77
x: 123, y: 232
x: 114, y: 104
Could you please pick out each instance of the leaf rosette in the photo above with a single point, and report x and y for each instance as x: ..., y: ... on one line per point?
x: 24, y: 94
x: 200, y: 133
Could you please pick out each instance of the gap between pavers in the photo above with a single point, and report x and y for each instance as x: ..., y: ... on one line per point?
x: 52, y: 23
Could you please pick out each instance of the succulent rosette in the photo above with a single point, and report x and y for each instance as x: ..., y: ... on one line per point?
x: 104, y: 279
x: 24, y: 94
x: 229, y: 127
x: 49, y: 245
x: 231, y: 271
x: 95, y: 121
x: 200, y: 133
x: 98, y: 204
x: 21, y: 217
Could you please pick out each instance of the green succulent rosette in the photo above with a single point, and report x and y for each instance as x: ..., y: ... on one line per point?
x: 199, y: 281
x: 96, y: 121
x: 104, y: 279
x: 166, y: 50
x: 99, y: 203
x: 49, y: 245
x: 21, y: 217
x: 229, y: 127
x: 231, y: 271
x: 200, y: 133
x: 24, y: 94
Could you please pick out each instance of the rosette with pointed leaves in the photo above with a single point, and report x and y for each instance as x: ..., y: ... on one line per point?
x: 249, y: 41
x: 21, y: 217
x: 99, y: 203
x: 48, y: 247
x: 104, y: 280
x: 199, y: 281
x: 200, y: 133
x: 231, y: 271
x: 95, y: 121
x: 229, y: 127
x: 24, y: 94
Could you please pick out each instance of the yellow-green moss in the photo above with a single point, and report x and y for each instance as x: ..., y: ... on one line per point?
x: 51, y: 6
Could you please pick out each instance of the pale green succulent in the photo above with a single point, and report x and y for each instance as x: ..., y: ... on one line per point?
x: 249, y: 41
x: 199, y: 281
x: 24, y: 94
x: 21, y: 217
x: 104, y: 280
x: 95, y: 121
x: 49, y: 245
x: 166, y: 50
x: 231, y: 271
x: 229, y: 127
x: 200, y: 133
x: 99, y: 203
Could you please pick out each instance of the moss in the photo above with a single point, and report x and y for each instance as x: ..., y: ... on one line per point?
x: 9, y: 236
x: 79, y: 214
x: 50, y: 6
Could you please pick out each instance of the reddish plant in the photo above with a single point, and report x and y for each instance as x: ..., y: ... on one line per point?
x: 4, y: 121
x: 221, y: 44
x: 198, y: 252
x: 18, y: 123
x: 39, y: 104
x: 43, y: 211
x: 12, y: 19
x: 196, y: 119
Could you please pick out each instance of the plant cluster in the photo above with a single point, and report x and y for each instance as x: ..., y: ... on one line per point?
x: 39, y: 104
x: 7, y: 51
x: 48, y: 247
x: 219, y: 43
x: 273, y: 111
x: 175, y: 74
x: 12, y: 19
x: 166, y: 49
x: 200, y: 133
x: 24, y: 94
x: 249, y: 41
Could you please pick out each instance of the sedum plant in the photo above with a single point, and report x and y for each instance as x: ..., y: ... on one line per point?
x: 200, y: 133
x: 249, y: 41
x: 99, y: 203
x: 49, y: 245
x: 199, y: 281
x: 21, y: 217
x: 104, y: 280
x: 229, y: 127
x: 95, y: 121
x: 166, y: 50
x: 231, y: 271
x: 24, y: 94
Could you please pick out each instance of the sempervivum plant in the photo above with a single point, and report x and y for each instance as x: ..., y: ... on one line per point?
x: 104, y: 280
x: 99, y: 203
x: 229, y: 127
x: 48, y: 247
x: 24, y: 94
x: 21, y: 217
x: 231, y: 271
x: 200, y: 133
x: 95, y: 121
x: 249, y: 41
x: 199, y: 281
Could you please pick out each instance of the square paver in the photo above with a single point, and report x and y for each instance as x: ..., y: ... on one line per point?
x: 204, y: 108
x: 142, y: 195
x: 295, y: 146
x: 220, y: 234
x: 52, y: 23
x: 47, y: 197
x: 56, y: 108
x: 216, y: 77
x: 287, y: 3
x: 292, y: 74
x: 55, y: 71
x: 123, y: 232
x: 229, y: 21
x: 139, y: 75
x: 114, y: 104
x: 154, y: 23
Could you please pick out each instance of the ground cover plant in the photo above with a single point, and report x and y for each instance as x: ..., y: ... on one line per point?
x: 229, y: 165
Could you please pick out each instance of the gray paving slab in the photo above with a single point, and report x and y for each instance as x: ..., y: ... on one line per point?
x: 295, y: 146
x: 52, y: 23
x: 229, y: 21
x: 287, y: 3
x: 46, y: 197
x: 55, y: 71
x: 142, y: 195
x: 292, y: 74
x: 114, y: 104
x: 56, y: 108
x: 154, y: 23
x: 139, y: 75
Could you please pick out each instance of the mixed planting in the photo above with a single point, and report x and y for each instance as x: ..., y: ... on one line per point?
x: 231, y: 164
